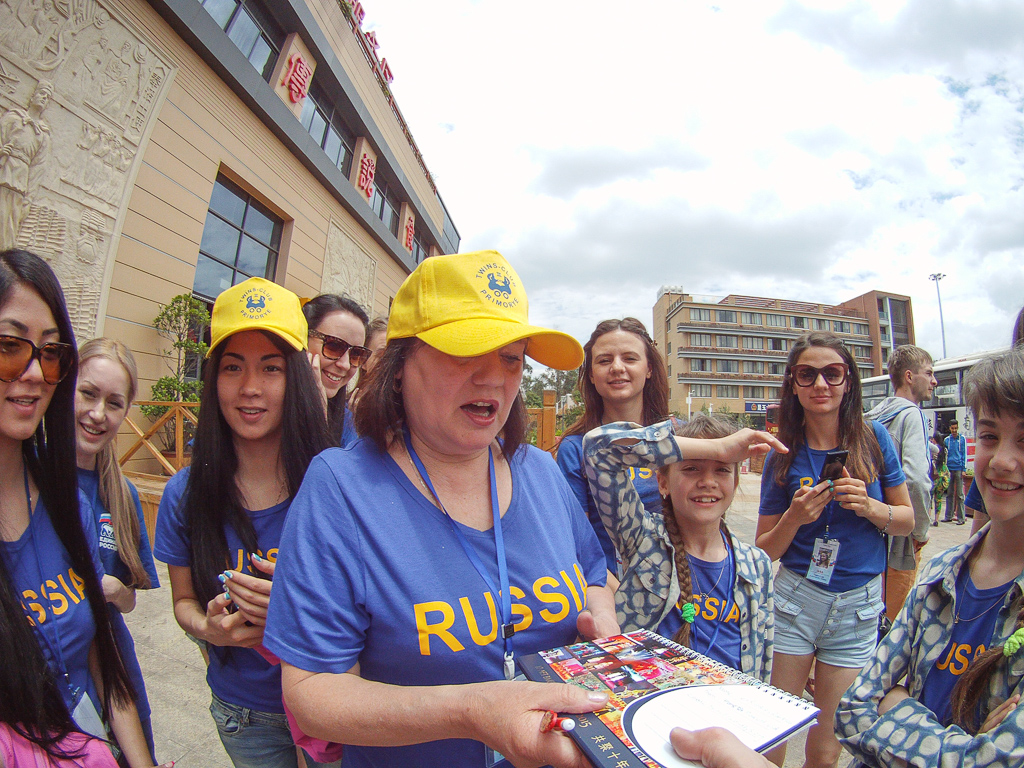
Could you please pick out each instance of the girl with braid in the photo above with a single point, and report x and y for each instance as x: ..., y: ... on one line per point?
x: 685, y: 575
x: 959, y: 638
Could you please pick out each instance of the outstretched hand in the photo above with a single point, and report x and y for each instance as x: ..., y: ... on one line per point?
x: 715, y: 748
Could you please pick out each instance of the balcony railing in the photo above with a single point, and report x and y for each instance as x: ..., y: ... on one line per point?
x: 180, y: 413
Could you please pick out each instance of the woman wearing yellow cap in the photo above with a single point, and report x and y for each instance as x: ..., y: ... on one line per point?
x: 260, y: 424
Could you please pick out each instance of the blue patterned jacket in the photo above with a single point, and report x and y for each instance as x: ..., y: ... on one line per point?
x: 649, y: 588
x: 909, y: 733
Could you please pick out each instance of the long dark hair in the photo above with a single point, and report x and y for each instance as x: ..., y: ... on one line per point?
x: 315, y: 310
x: 706, y: 427
x: 381, y: 411
x: 655, y: 388
x: 212, y: 500
x: 30, y: 697
x: 994, y: 386
x: 855, y: 434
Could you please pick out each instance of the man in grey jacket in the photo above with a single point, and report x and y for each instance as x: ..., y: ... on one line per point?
x: 910, y: 370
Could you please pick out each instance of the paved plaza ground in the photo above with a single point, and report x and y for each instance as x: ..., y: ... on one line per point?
x: 176, y: 675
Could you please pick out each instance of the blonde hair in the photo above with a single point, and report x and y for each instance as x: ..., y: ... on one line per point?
x: 115, y: 494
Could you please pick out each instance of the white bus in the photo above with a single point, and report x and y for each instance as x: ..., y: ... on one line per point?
x: 947, y: 401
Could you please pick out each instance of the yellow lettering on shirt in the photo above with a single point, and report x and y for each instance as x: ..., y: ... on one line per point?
x: 58, y: 603
x: 425, y: 630
x: 734, y: 614
x: 644, y: 473
x: 959, y: 657
x: 474, y: 629
x: 710, y: 611
x: 77, y: 582
x: 556, y: 598
x: 272, y: 555
x: 71, y: 594
x: 28, y: 594
x: 572, y: 588
x: 518, y: 609
x: 582, y: 580
x: 806, y: 481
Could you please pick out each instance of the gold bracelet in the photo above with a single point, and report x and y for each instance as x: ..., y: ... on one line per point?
x: 886, y: 529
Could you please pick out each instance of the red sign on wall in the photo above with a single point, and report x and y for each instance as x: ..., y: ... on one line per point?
x: 297, y: 78
x: 367, y: 169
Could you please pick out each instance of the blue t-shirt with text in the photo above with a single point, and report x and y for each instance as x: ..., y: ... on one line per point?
x: 861, y: 554
x: 956, y: 453
x: 54, y: 598
x: 372, y: 572
x: 645, y: 481
x: 239, y: 676
x: 977, y: 611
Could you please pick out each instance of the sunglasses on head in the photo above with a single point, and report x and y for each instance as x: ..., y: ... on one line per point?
x: 17, y: 354
x: 335, y: 349
x: 805, y: 375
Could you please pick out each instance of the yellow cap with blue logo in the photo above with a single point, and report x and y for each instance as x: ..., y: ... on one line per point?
x: 258, y: 305
x: 469, y: 304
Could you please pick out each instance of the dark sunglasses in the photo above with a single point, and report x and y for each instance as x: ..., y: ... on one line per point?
x: 335, y: 349
x: 17, y: 354
x: 805, y: 375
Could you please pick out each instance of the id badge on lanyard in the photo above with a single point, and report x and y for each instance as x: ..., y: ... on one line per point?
x: 823, y: 560
x: 85, y: 714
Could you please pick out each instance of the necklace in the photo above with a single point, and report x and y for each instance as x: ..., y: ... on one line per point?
x: 695, y: 580
x: 956, y: 616
x: 248, y: 495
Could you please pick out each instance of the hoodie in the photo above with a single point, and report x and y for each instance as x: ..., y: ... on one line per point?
x: 906, y: 423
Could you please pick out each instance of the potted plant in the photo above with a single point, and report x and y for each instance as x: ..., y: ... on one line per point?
x: 182, y: 321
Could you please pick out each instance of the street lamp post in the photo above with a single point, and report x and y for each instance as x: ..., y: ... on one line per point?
x: 942, y: 325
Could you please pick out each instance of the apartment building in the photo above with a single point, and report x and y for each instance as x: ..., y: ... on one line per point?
x: 729, y: 354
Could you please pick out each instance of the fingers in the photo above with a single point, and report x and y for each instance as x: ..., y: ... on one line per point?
x: 571, y: 698
x: 586, y: 626
x: 236, y: 579
x: 997, y: 715
x: 218, y: 605
x: 264, y: 565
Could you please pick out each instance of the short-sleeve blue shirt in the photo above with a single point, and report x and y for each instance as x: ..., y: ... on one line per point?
x: 861, y: 546
x: 371, y: 572
x: 237, y: 675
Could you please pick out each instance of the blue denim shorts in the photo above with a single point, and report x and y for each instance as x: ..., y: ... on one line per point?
x: 839, y: 628
x: 255, y: 739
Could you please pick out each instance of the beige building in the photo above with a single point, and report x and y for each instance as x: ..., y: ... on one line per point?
x: 181, y: 146
x: 729, y: 354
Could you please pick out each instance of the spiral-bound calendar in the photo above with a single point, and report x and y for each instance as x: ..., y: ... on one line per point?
x: 655, y: 685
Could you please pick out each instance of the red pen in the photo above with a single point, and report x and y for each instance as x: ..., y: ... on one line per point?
x: 552, y: 722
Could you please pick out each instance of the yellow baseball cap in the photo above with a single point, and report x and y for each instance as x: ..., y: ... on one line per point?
x: 469, y: 304
x: 258, y: 305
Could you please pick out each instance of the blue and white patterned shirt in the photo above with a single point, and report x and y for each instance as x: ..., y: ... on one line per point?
x: 910, y: 733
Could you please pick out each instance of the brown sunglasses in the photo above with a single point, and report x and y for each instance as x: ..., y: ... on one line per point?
x: 335, y: 349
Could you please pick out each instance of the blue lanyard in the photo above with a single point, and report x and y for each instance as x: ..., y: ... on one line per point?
x: 508, y: 628
x: 729, y: 598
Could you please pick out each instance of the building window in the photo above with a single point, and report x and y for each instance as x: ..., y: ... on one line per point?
x: 700, y: 364
x: 779, y: 345
x: 670, y: 369
x: 773, y: 393
x: 253, y: 31
x: 860, y: 329
x: 821, y: 325
x: 753, y: 342
x: 451, y: 237
x: 840, y: 326
x: 799, y: 322
x: 324, y: 123
x: 726, y: 316
x: 241, y: 239
x: 865, y: 372
x: 700, y: 390
x: 862, y: 353
x: 700, y: 339
x: 700, y: 315
x: 777, y: 321
x: 776, y: 369
x: 727, y: 342
x: 728, y: 366
x: 679, y: 378
x: 729, y: 390
x: 753, y: 366
x: 385, y: 205
x: 750, y: 318
x: 668, y: 351
x: 753, y: 393
x: 420, y: 250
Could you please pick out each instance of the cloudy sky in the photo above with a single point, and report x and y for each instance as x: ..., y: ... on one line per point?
x: 808, y: 150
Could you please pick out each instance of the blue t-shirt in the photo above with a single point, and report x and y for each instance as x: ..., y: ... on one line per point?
x: 348, y: 426
x: 54, y: 598
x: 956, y: 453
x: 89, y: 486
x: 645, y: 481
x: 716, y: 580
x: 239, y: 676
x: 861, y: 554
x: 404, y: 600
x: 977, y: 610
x: 974, y: 500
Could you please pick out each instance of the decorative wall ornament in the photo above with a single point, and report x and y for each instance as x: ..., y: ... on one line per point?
x: 79, y: 89
x: 348, y: 268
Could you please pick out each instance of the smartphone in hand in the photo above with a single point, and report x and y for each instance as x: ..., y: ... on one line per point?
x: 832, y: 469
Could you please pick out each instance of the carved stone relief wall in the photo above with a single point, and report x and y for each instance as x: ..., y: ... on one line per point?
x: 78, y: 87
x: 348, y: 268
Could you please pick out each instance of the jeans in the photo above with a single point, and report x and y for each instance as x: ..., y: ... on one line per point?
x: 256, y: 739
x: 955, y: 496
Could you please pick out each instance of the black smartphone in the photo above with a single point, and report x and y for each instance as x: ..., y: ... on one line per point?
x: 832, y: 469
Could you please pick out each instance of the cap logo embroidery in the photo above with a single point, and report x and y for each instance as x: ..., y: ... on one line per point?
x: 255, y: 304
x: 499, y: 287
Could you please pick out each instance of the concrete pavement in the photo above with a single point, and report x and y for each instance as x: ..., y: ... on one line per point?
x: 176, y: 674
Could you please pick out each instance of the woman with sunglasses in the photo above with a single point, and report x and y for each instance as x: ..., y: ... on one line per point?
x: 60, y: 671
x: 337, y: 332
x: 220, y: 519
x: 829, y: 534
x: 107, y: 382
